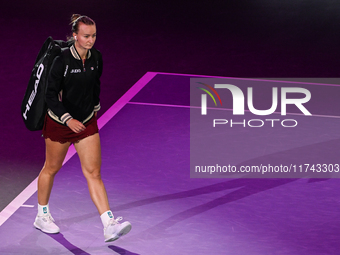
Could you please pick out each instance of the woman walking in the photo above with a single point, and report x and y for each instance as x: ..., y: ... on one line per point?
x: 73, y: 102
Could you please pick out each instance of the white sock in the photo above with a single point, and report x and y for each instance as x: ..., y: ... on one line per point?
x: 105, y: 217
x: 43, y: 210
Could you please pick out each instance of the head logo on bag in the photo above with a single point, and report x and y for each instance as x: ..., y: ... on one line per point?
x: 34, y: 92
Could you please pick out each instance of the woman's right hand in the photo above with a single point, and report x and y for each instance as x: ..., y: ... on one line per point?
x: 75, y: 125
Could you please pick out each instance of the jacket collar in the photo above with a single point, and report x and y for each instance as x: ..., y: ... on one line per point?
x: 75, y: 53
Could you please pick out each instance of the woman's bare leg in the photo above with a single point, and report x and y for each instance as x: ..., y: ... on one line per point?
x: 90, y: 157
x: 55, y: 155
x: 89, y: 153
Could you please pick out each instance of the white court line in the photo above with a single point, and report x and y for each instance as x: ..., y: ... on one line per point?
x: 31, y: 206
x: 10, y: 209
x: 286, y: 80
x: 226, y: 109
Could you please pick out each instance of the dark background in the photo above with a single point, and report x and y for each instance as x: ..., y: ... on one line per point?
x: 237, y: 38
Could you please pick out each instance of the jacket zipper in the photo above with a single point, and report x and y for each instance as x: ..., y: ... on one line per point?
x: 83, y: 61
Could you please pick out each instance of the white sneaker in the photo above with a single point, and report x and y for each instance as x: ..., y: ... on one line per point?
x: 46, y: 224
x: 114, y: 229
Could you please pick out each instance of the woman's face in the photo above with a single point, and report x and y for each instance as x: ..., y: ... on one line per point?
x: 86, y: 36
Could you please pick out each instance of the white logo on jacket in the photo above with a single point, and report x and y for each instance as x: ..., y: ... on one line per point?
x: 75, y: 71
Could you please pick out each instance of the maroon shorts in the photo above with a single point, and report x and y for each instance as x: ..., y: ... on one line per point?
x: 63, y: 134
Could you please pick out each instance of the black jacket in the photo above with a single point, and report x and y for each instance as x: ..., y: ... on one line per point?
x: 77, y: 94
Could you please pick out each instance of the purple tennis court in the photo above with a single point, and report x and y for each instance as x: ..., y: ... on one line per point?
x: 152, y: 51
x: 145, y: 140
